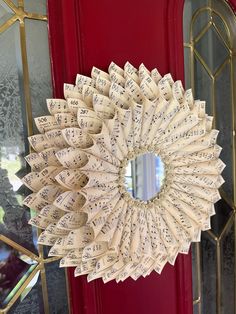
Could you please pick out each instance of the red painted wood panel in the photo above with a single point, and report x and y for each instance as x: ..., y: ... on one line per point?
x: 84, y: 33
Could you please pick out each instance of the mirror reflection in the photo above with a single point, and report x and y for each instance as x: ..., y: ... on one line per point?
x: 144, y: 176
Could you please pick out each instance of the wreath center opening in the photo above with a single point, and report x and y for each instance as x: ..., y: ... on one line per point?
x: 145, y: 176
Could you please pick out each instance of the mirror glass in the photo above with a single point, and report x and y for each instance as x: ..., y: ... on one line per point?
x: 145, y: 176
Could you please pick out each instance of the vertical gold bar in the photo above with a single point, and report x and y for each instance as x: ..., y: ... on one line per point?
x: 199, y: 276
x: 26, y: 81
x: 44, y: 289
x: 218, y: 278
x: 68, y: 290
x: 213, y: 105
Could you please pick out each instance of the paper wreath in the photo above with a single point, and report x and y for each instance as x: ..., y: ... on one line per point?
x: 78, y: 169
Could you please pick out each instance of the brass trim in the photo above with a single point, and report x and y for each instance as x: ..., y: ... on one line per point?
x: 19, y: 248
x: 21, y: 289
x: 68, y: 291
x: 213, y: 76
x: 44, y: 289
x: 203, y: 63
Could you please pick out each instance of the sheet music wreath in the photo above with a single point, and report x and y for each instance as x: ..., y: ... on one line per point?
x: 78, y: 167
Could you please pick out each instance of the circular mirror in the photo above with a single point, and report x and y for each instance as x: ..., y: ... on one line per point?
x: 145, y: 176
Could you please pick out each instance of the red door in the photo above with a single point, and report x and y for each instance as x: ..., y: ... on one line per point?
x: 87, y: 33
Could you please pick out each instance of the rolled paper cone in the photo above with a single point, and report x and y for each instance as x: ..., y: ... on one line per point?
x: 72, y: 179
x: 46, y: 123
x: 171, y: 111
x: 98, y: 150
x: 65, y: 120
x: 88, y: 93
x: 165, y: 88
x: 75, y: 253
x: 199, y: 203
x: 67, y: 262
x: 95, y: 275
x: 133, y: 89
x: 114, y: 67
x: 204, y: 155
x: 96, y: 164
x: 88, y: 121
x: 82, y: 80
x: 72, y: 157
x: 169, y: 78
x: 126, y: 271
x: 33, y: 181
x: 113, y: 271
x: 117, y: 235
x: 49, y: 156
x: 211, y: 195
x: 143, y: 71
x: 48, y: 174
x: 71, y: 91
x: 119, y: 96
x: 50, y: 192
x: 204, y: 181
x: 157, y: 118
x: 79, y: 238
x: 167, y: 236
x: 99, y: 220
x: 39, y: 222
x: 178, y: 91
x: 95, y: 178
x: 159, y: 252
x: 214, y: 167
x: 135, y: 248
x: 70, y: 201
x: 199, y: 108
x: 156, y: 76
x: 182, y: 218
x: 94, y: 250
x: 88, y: 266
x: 103, y: 106
x: 108, y: 229
x: 131, y: 72
x: 51, y: 212
x: 47, y: 239
x: 197, y: 216
x: 139, y: 269
x: 74, y: 104
x: 118, y: 142
x: 59, y: 248
x: 97, y: 72
x: 209, y: 123
x: 57, y: 106
x: 149, y: 88
x: 188, y: 97
x: 164, y: 141
x: 52, y: 229
x: 106, y: 200
x: 56, y: 139
x: 34, y: 202
x: 125, y: 118
x: 39, y: 142
x: 181, y: 116
x: 103, y: 85
x: 145, y: 240
x: 75, y: 137
x: 137, y: 112
x: 117, y: 78
x: 36, y: 162
x: 148, y: 111
x: 193, y: 141
x: 73, y: 220
x: 106, y: 262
